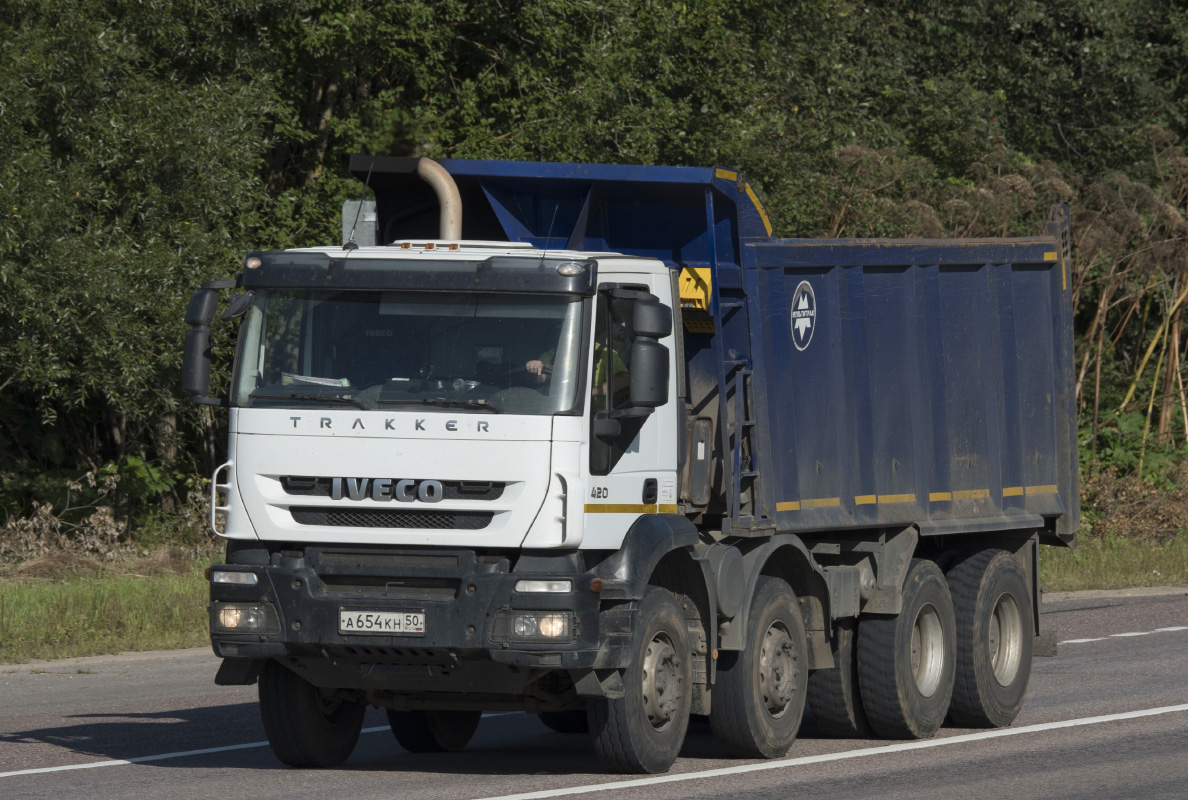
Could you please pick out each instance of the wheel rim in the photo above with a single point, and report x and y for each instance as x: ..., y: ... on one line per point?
x: 1005, y: 639
x: 928, y: 650
x: 778, y: 669
x: 662, y: 681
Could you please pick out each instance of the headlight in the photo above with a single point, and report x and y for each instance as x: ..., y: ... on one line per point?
x: 533, y: 626
x: 244, y: 618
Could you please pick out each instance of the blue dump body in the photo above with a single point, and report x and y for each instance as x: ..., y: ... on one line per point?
x: 867, y: 383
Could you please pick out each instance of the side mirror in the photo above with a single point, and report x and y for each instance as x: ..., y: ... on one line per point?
x: 606, y: 427
x: 652, y: 319
x: 202, y: 307
x: 649, y: 373
x: 196, y: 355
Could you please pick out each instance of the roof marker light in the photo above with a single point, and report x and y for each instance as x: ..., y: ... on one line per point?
x: 570, y: 269
x: 253, y: 262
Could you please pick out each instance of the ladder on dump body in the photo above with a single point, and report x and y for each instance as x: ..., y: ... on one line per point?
x: 736, y: 411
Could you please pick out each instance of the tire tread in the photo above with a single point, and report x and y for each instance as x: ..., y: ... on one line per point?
x: 969, y: 709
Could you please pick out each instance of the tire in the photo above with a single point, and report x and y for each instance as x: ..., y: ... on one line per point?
x: 565, y: 721
x: 833, y: 694
x: 759, y: 694
x: 906, y: 695
x: 433, y: 731
x: 304, y: 728
x: 643, y: 730
x: 994, y: 639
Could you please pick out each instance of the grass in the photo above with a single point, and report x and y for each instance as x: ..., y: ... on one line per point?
x: 80, y: 613
x: 87, y: 615
x: 1112, y: 562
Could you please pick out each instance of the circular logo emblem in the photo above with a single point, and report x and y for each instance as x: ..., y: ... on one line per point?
x: 804, y: 315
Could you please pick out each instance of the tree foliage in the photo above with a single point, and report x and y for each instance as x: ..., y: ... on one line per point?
x: 147, y: 143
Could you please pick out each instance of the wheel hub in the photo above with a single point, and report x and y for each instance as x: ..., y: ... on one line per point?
x: 1006, y: 639
x: 927, y: 650
x: 662, y: 689
x: 778, y: 669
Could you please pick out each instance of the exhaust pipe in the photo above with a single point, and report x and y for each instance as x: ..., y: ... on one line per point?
x: 450, y: 225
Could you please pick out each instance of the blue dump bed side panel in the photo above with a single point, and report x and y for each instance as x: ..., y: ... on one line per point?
x: 916, y: 382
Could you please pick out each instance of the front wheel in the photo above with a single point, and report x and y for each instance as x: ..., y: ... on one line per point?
x: 643, y: 730
x: 306, y: 726
x: 758, y: 698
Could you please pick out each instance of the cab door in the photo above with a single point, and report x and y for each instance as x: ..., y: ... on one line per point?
x: 632, y: 455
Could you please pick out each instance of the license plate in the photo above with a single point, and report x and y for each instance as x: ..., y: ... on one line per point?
x: 390, y: 623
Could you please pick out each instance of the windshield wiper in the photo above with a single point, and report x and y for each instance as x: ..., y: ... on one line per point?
x: 486, y: 405
x: 330, y: 398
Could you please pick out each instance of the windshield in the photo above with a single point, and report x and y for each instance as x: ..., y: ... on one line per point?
x: 485, y: 353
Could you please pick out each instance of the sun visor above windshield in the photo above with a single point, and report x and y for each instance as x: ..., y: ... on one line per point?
x: 288, y: 269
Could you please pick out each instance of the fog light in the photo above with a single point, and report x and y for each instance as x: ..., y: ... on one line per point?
x: 238, y: 578
x: 551, y: 587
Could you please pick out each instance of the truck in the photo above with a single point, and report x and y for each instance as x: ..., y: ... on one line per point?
x: 605, y: 450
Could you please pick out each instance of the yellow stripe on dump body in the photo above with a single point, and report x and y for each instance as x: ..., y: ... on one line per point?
x: 1051, y: 489
x: 629, y: 508
x: 897, y: 498
x: 1012, y: 491
x: 759, y: 207
x: 788, y: 505
x: 821, y: 502
x: 865, y: 500
x: 939, y: 497
x: 726, y: 174
x: 1049, y: 256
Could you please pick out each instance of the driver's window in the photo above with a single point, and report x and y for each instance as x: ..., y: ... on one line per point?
x: 610, y: 387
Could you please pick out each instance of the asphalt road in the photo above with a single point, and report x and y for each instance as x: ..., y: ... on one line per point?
x: 57, y: 717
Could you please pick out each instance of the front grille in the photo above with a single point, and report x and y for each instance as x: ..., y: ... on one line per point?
x: 384, y: 518
x: 302, y: 486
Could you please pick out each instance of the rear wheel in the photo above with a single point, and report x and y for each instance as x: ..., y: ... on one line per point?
x: 759, y: 693
x: 906, y: 661
x: 306, y: 726
x: 994, y: 638
x: 433, y: 731
x: 833, y: 694
x: 643, y: 730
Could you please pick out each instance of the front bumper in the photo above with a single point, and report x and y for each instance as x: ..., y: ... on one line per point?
x: 466, y: 598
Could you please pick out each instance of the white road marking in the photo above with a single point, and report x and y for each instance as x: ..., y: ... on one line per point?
x: 181, y: 754
x: 1130, y: 633
x: 867, y: 751
x: 711, y: 773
